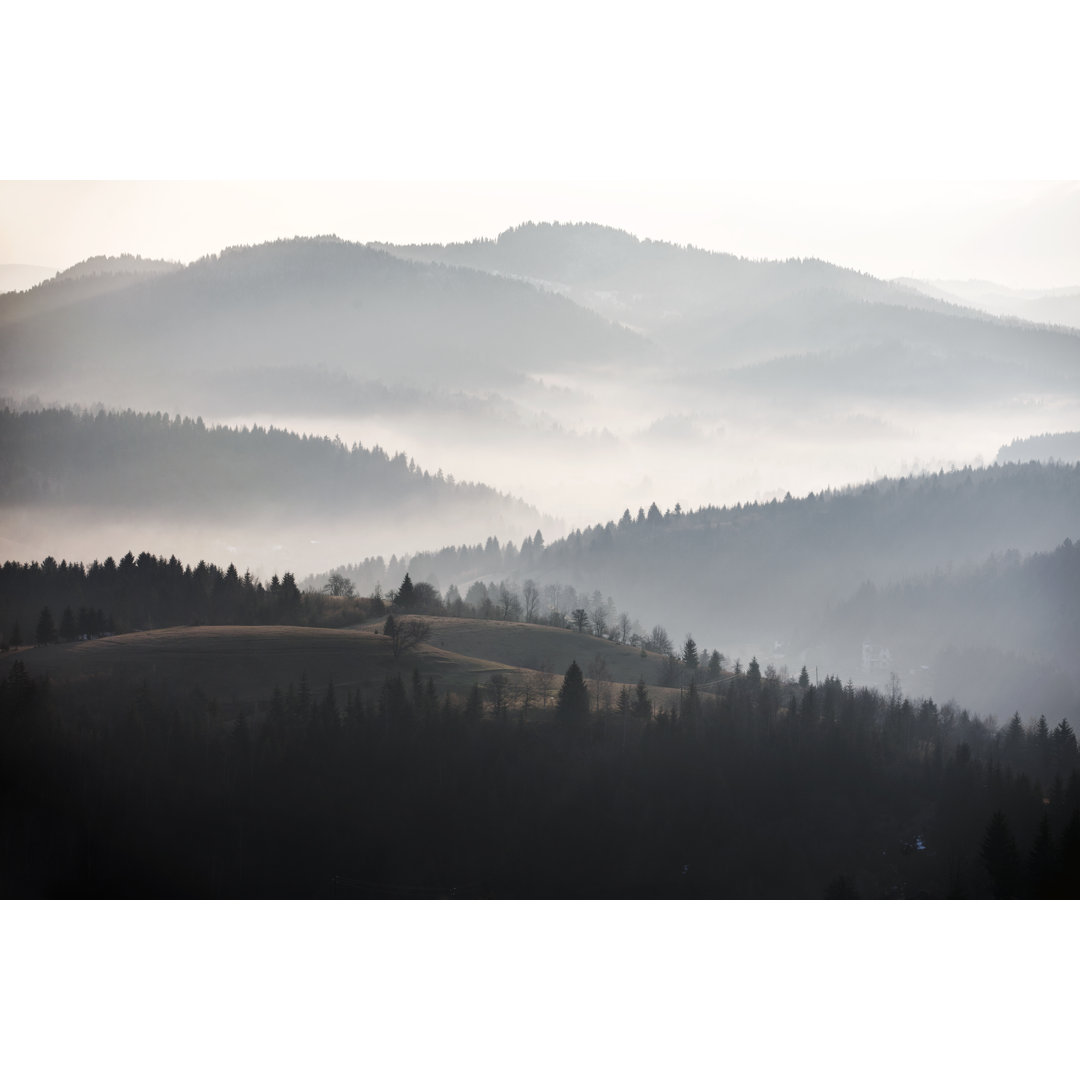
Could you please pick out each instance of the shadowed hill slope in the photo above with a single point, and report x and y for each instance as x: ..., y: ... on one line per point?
x: 244, y: 663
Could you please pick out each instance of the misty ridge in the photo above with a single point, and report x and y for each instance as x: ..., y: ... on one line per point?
x: 614, y: 361
x: 755, y: 498
x: 175, y: 483
x: 810, y: 581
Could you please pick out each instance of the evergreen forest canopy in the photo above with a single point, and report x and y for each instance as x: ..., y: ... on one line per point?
x: 1063, y: 446
x: 763, y: 790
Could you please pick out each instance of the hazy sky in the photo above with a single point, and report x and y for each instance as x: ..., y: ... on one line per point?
x: 887, y: 139
x: 1021, y: 234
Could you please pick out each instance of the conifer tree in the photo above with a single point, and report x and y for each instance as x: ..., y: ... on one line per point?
x: 46, y: 628
x: 405, y: 596
x: 1001, y: 858
x: 753, y: 672
x: 642, y: 706
x: 573, y: 702
x: 690, y: 653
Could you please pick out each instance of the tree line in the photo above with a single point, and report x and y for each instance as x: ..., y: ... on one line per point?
x: 60, y: 601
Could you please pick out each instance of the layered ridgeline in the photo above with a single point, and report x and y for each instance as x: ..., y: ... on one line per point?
x: 83, y: 281
x: 71, y: 482
x: 1056, y: 307
x: 564, y: 363
x: 780, y: 579
x: 795, y: 322
x: 300, y: 323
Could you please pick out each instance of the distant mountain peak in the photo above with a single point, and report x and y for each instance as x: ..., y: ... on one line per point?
x: 567, y: 228
x: 98, y: 265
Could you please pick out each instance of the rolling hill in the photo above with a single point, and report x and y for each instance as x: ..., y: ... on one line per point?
x: 239, y: 666
x: 773, y: 578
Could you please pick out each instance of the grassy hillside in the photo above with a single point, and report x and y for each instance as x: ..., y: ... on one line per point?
x: 526, y: 645
x: 244, y: 663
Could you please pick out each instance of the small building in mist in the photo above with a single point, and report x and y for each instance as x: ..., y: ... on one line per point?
x: 875, y: 658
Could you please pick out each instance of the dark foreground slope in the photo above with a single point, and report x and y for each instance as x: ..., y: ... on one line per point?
x: 767, y: 791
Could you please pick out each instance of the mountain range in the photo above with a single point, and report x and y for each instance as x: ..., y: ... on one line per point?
x: 630, y: 370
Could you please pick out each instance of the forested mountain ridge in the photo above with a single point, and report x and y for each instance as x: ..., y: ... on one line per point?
x: 121, y: 458
x: 85, y: 280
x: 486, y: 358
x: 746, y: 577
x: 59, y: 467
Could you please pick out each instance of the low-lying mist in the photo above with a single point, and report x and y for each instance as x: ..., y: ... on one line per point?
x: 610, y: 448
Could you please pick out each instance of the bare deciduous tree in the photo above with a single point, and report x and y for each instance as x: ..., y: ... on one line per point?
x: 531, y: 595
x: 406, y: 634
x: 600, y: 677
x: 339, y: 585
x: 598, y: 612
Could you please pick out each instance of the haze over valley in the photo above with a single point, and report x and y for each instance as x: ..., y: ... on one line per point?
x: 575, y: 367
x: 631, y: 493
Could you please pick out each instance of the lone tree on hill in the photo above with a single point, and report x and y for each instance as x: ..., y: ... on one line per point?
x: 406, y: 633
x: 404, y: 598
x: 573, y: 701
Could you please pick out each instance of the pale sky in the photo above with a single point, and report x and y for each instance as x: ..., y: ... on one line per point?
x: 935, y: 140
